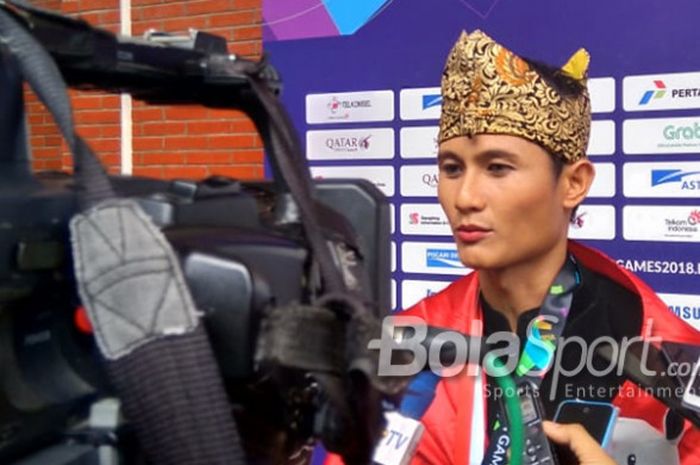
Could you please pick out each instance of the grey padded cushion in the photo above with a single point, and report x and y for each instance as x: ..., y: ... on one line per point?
x: 128, y: 277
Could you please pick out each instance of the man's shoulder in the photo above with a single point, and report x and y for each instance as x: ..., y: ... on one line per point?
x: 608, y: 271
x: 446, y: 306
x: 603, y: 307
x: 628, y: 287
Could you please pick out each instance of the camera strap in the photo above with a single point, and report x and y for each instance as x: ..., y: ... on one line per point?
x: 354, y: 385
x: 157, y: 353
x: 537, y: 356
x: 285, y: 148
x: 43, y: 76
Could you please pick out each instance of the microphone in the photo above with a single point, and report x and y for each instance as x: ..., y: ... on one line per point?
x: 404, y: 429
x: 641, y: 356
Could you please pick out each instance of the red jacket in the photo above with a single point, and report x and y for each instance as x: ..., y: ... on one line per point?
x: 449, y: 423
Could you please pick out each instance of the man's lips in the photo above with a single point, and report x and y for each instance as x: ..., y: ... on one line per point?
x: 472, y: 233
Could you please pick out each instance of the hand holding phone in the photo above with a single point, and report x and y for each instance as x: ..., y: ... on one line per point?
x: 598, y: 418
x: 583, y: 449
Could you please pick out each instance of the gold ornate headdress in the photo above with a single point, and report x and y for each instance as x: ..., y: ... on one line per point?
x: 487, y: 89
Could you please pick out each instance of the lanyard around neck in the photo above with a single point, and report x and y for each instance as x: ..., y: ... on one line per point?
x: 547, y: 327
x: 538, y: 355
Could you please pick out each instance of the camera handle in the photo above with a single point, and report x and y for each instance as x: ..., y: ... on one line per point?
x: 93, y: 58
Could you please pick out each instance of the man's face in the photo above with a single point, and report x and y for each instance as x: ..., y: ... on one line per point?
x: 502, y: 199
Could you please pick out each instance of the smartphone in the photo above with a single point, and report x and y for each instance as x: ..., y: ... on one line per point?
x: 598, y: 418
x: 691, y: 396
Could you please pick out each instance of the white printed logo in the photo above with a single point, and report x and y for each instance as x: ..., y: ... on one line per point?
x: 684, y: 306
x: 424, y: 219
x: 662, y: 179
x: 661, y: 92
x: 419, y: 180
x: 350, y: 107
x: 422, y: 103
x: 350, y: 144
x: 661, y: 135
x: 661, y: 223
x: 431, y: 258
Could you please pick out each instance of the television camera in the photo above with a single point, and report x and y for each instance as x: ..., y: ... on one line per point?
x: 288, y: 277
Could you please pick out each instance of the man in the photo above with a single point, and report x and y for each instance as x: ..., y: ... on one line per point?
x: 513, y: 168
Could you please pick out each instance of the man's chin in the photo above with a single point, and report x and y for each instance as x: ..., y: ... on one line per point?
x: 473, y: 260
x: 477, y: 258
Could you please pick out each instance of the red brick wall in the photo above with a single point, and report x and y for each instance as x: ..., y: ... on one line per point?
x: 168, y: 141
x: 45, y: 141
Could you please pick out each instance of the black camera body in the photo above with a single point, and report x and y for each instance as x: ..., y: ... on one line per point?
x: 237, y: 264
x: 241, y: 247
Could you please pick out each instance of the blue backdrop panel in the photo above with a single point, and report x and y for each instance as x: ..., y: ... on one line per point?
x: 645, y: 211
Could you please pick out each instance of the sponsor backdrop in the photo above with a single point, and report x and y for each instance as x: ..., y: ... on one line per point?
x: 361, y: 83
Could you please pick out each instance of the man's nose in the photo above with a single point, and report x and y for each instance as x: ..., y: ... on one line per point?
x: 470, y: 195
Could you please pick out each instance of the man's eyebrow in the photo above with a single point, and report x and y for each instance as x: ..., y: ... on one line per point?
x: 485, y: 156
x: 489, y: 155
x: 446, y: 155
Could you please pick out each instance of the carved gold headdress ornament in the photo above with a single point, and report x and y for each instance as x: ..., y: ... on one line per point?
x: 487, y: 89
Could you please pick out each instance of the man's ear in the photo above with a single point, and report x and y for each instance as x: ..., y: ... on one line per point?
x: 576, y: 180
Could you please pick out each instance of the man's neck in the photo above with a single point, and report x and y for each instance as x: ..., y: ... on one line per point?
x: 516, y: 289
